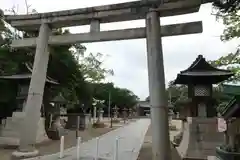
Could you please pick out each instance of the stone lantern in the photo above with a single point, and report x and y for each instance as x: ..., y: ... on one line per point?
x: 199, y: 78
x: 200, y: 123
x: 100, y: 114
x: 115, y: 112
x: 97, y: 110
x: 125, y: 114
x: 59, y: 109
x: 130, y: 113
x: 59, y: 101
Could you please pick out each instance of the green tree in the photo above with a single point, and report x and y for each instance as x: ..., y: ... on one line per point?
x: 118, y: 96
x: 177, y: 94
x: 227, y: 5
x: 91, y: 66
x: 232, y: 25
x: 231, y: 62
x: 229, y: 12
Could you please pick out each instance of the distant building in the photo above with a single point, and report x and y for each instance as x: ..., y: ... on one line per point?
x: 143, y: 108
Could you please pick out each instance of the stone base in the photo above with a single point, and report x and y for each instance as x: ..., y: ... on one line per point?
x: 22, y: 155
x: 200, y: 138
x: 88, y: 121
x: 10, y: 133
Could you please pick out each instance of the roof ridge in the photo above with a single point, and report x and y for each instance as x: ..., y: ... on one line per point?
x: 199, y: 59
x: 29, y: 67
x: 196, y: 61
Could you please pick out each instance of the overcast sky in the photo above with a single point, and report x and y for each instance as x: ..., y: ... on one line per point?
x: 128, y: 58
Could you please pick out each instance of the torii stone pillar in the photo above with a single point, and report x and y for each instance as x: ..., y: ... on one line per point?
x: 35, y: 95
x: 158, y: 99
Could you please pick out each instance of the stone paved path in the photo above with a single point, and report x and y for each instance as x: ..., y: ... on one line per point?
x: 130, y: 141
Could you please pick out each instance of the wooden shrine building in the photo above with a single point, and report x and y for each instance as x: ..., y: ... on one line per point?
x: 21, y: 82
x: 12, y: 121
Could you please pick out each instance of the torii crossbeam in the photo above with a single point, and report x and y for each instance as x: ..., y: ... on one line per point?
x: 150, y: 10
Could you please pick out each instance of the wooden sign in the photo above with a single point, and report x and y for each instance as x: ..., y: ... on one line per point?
x: 222, y: 125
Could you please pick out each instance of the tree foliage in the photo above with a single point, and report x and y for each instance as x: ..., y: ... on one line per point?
x: 229, y: 12
x: 177, y: 95
x: 232, y: 25
x: 92, y: 69
x: 118, y: 96
x: 227, y: 5
x: 230, y: 62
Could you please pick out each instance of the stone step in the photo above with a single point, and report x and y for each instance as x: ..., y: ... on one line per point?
x: 12, y: 126
x: 18, y: 114
x: 13, y: 123
x: 10, y: 141
x: 14, y: 119
x: 9, y: 133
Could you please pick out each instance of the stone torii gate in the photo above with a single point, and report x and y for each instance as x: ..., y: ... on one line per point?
x: 150, y: 10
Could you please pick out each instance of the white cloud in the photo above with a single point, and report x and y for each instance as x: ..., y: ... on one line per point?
x: 128, y: 58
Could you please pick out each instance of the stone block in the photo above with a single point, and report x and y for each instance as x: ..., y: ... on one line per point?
x: 10, y: 133
x: 212, y: 137
x: 200, y: 138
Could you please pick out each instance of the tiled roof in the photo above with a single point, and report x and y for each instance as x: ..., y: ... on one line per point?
x: 26, y: 76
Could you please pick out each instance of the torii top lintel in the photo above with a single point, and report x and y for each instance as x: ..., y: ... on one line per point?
x: 104, y: 14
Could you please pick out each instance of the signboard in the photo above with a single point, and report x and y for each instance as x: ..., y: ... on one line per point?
x: 222, y: 125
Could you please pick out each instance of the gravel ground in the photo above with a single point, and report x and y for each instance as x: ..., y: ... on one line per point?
x: 50, y: 147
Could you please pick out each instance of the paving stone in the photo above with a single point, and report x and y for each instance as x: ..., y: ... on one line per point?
x: 130, y: 140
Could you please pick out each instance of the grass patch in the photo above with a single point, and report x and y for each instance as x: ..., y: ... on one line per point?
x: 98, y: 125
x: 115, y: 121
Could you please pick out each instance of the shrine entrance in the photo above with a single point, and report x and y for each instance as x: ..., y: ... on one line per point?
x: 150, y: 10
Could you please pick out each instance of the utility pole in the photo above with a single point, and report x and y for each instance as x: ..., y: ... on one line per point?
x: 170, y: 97
x: 110, y: 110
x: 109, y: 105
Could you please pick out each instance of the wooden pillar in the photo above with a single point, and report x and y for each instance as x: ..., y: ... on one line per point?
x: 158, y: 98
x: 35, y: 93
